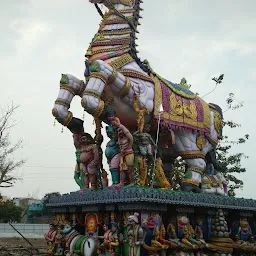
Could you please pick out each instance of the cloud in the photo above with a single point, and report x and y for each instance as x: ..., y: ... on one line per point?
x: 29, y: 34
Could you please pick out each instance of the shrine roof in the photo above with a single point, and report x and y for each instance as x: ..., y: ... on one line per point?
x: 154, y: 197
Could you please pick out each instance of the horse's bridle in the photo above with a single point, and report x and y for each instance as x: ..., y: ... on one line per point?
x: 112, y: 7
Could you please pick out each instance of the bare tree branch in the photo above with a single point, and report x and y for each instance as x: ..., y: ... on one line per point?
x: 7, y: 148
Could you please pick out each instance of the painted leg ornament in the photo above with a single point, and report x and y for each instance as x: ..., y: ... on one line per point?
x: 102, y: 74
x: 115, y: 177
x: 193, y: 175
x: 79, y: 176
x: 114, y: 169
x: 86, y: 180
x: 70, y: 86
x: 143, y: 171
x: 129, y: 159
x: 93, y: 181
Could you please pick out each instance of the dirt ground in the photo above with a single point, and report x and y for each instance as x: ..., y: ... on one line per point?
x: 18, y: 246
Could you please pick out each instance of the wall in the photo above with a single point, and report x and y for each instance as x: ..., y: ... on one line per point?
x: 27, y: 230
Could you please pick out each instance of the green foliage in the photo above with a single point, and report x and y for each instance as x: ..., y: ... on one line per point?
x: 219, y: 79
x: 231, y: 163
x: 177, y: 173
x: 9, y: 211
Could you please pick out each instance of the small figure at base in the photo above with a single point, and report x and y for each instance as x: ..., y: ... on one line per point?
x: 125, y: 141
x: 89, y: 157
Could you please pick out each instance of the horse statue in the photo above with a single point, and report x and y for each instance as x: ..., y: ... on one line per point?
x: 78, y: 244
x: 214, y: 182
x: 115, y: 75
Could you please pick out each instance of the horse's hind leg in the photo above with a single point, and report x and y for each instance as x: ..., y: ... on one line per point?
x: 187, y: 147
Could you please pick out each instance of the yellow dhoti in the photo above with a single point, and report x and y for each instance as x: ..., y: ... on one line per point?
x: 126, y: 161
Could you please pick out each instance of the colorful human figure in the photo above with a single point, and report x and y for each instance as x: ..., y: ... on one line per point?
x: 59, y: 242
x: 107, y: 240
x: 185, y: 235
x: 50, y: 239
x: 153, y: 242
x: 115, y: 240
x: 172, y: 236
x: 134, y: 235
x: 112, y: 153
x: 78, y: 173
x: 104, y: 175
x: 125, y: 141
x: 89, y: 157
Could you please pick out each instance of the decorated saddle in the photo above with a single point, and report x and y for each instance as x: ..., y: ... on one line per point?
x: 182, y: 108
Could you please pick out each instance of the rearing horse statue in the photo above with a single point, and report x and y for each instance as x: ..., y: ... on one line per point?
x: 115, y: 75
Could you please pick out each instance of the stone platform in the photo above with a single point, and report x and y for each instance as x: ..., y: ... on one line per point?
x: 171, y: 222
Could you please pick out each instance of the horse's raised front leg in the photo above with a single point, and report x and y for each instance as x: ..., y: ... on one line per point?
x: 187, y: 148
x: 69, y: 87
x: 101, y: 75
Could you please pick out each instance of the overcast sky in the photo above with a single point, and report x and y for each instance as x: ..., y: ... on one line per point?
x: 195, y: 39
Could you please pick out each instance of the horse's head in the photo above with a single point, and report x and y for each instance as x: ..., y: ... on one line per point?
x: 108, y: 3
x: 67, y: 229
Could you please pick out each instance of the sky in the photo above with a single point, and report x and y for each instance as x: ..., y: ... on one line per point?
x: 196, y: 39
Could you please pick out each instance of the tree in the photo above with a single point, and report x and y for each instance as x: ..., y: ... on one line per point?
x: 7, y: 162
x: 10, y: 212
x: 230, y: 164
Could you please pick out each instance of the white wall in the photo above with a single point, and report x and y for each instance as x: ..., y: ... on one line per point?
x: 27, y: 230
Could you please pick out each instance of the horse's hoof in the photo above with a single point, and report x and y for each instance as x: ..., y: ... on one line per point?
x: 119, y: 185
x: 190, y: 188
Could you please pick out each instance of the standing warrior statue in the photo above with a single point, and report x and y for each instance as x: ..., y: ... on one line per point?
x: 145, y: 146
x: 125, y: 141
x: 135, y: 235
x: 107, y: 240
x: 89, y: 157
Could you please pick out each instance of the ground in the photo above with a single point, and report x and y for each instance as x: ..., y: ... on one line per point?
x: 18, y: 246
